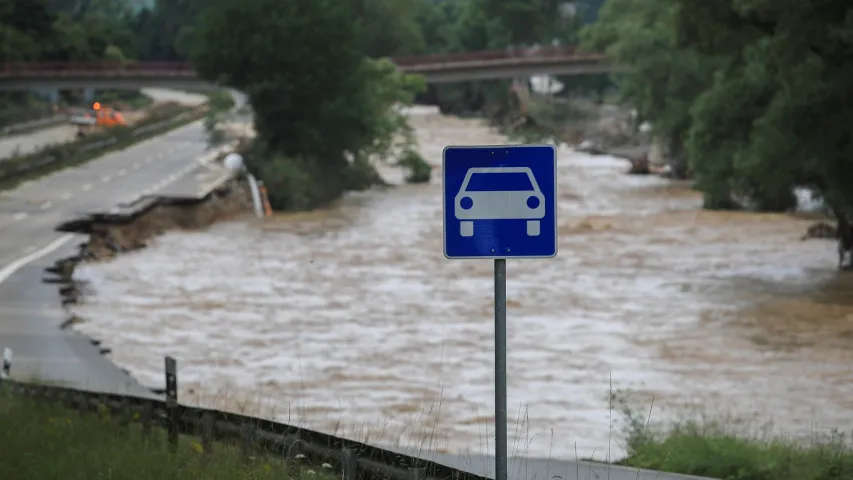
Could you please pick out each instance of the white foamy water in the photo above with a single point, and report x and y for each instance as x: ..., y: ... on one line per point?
x: 351, y: 320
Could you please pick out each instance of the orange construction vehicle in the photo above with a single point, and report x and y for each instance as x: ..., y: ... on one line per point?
x: 97, y: 118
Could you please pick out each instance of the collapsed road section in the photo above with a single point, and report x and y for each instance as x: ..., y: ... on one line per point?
x: 214, y: 193
x: 173, y: 175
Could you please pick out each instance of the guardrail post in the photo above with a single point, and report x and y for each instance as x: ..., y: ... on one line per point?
x: 418, y: 473
x: 125, y: 416
x: 247, y: 436
x: 147, y: 416
x: 349, y: 464
x: 7, y: 364
x: 172, y: 400
x: 207, y: 433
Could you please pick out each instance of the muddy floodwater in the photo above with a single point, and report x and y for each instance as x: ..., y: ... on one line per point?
x: 350, y: 320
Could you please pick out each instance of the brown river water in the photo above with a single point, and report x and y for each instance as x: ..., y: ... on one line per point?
x: 351, y: 321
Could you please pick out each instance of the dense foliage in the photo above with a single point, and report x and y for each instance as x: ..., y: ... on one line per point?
x: 750, y: 94
x: 747, y: 92
x: 322, y: 108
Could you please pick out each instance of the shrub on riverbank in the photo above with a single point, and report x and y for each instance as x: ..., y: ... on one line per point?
x: 47, y: 441
x: 322, y: 109
x: 710, y: 449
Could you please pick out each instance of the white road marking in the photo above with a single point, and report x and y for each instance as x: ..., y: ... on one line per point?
x: 20, y: 216
x: 87, y: 187
x: 13, y: 267
x: 46, y: 205
x: 122, y: 172
x: 66, y: 196
x: 136, y: 166
x: 106, y: 178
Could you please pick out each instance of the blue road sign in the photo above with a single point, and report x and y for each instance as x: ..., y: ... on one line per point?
x: 500, y: 201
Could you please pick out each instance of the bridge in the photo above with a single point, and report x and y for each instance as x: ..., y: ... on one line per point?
x: 441, y: 68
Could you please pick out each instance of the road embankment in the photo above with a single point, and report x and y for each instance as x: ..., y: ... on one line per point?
x: 127, y: 227
x: 132, y: 227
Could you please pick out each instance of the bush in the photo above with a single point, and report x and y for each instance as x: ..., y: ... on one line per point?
x: 419, y: 171
x: 321, y: 107
x: 710, y: 449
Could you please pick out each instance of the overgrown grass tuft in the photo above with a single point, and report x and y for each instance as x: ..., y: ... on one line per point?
x: 41, y: 440
x: 710, y: 449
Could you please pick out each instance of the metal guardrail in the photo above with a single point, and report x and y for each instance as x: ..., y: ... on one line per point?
x: 512, y: 56
x: 356, y: 460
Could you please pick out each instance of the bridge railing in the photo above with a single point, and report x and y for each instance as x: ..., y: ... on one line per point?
x: 129, y: 68
x: 485, y: 55
x: 185, y: 69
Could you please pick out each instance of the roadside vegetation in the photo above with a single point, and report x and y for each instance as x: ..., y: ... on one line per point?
x: 42, y: 441
x: 219, y: 103
x: 713, y: 449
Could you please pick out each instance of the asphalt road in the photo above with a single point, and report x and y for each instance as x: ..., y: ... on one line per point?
x: 548, y: 469
x: 29, y: 309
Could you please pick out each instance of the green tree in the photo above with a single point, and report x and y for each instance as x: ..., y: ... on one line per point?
x: 751, y: 89
x: 322, y: 109
x: 166, y: 31
x: 390, y: 27
x: 772, y: 120
x: 529, y: 22
x: 659, y: 77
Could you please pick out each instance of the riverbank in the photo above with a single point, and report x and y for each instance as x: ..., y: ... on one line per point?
x: 110, y: 236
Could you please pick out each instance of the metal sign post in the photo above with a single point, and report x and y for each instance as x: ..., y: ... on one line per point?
x: 500, y: 371
x: 500, y: 202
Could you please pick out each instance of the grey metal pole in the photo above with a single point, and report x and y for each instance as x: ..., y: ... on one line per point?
x: 500, y: 371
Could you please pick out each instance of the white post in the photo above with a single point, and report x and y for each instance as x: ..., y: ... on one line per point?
x: 7, y: 363
x: 256, y: 195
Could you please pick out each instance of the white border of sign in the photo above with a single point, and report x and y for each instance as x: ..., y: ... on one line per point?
x: 498, y: 147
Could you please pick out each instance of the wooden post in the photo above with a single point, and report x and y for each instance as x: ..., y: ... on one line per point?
x: 349, y: 464
x: 172, y: 400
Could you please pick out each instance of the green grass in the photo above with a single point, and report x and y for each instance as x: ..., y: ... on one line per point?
x: 710, y: 449
x: 41, y: 441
